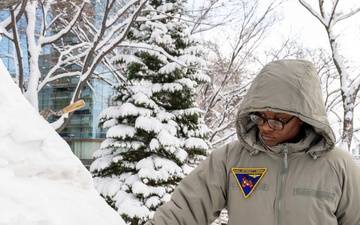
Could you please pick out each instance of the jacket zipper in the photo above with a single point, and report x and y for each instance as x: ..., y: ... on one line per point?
x: 281, y: 184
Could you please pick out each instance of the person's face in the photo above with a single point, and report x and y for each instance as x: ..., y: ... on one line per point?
x: 290, y: 125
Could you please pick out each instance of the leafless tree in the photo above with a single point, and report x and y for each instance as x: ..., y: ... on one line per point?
x: 33, y: 15
x: 330, y: 15
x: 249, y: 23
x: 99, y: 29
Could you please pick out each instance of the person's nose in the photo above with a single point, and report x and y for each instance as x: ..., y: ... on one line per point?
x: 266, y: 127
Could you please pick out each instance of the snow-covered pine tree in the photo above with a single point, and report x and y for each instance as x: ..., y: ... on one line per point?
x: 156, y: 133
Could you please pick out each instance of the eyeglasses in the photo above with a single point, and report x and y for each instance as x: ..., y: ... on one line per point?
x: 273, y: 123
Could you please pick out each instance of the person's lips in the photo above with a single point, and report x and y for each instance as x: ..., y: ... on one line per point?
x: 266, y: 137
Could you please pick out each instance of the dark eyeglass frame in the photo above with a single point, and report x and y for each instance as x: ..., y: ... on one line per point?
x: 254, y: 118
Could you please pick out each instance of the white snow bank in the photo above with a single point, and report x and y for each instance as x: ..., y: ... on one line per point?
x: 42, y: 181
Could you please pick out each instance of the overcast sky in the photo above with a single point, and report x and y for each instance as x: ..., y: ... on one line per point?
x: 309, y: 30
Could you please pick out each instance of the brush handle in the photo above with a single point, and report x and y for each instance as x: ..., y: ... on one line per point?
x: 72, y: 107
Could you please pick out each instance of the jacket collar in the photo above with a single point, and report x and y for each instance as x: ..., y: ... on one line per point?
x: 307, y: 145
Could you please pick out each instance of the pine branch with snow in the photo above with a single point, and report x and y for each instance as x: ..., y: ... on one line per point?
x: 156, y: 133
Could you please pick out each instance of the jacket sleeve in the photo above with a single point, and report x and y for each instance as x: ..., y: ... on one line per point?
x: 349, y: 202
x: 200, y: 196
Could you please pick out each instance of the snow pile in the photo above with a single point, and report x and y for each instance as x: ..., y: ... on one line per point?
x: 42, y: 181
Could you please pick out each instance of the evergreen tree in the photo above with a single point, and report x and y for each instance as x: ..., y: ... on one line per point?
x: 156, y: 133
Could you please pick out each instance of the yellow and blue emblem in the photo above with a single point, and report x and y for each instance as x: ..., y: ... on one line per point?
x: 248, y: 178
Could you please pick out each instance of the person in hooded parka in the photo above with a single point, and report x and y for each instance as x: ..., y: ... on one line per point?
x: 283, y: 169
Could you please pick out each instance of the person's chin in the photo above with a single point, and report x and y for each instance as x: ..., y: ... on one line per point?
x: 269, y: 141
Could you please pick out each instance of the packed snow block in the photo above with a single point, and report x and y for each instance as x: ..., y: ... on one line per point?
x: 42, y: 181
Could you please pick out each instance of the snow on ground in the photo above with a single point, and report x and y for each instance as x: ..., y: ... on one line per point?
x: 42, y: 181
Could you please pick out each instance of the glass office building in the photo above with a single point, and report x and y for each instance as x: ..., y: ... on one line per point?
x: 82, y: 132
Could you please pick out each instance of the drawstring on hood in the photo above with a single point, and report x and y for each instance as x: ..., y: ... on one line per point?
x: 291, y: 87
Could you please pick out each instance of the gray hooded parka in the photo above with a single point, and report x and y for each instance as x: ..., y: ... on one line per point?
x: 310, y: 182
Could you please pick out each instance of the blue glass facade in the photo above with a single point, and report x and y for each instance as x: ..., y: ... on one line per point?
x: 82, y: 132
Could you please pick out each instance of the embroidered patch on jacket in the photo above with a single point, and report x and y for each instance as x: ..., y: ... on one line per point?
x: 248, y: 178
